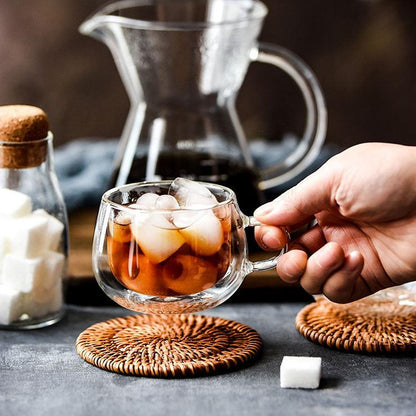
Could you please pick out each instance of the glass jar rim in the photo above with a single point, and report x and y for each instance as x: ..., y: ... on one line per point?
x: 106, y: 198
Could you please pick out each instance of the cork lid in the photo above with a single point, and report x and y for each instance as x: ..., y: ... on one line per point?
x: 23, y: 133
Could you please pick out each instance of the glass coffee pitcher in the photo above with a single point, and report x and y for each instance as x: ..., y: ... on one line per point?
x: 182, y: 63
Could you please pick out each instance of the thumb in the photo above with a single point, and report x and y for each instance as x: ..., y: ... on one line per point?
x: 298, y: 204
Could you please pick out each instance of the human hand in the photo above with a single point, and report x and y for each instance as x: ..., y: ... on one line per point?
x: 364, y: 202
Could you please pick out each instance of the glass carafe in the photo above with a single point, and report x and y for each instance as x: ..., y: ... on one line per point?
x: 182, y: 63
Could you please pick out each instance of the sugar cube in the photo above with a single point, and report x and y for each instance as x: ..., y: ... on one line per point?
x: 53, y: 265
x: 55, y: 228
x: 14, y: 204
x: 51, y: 301
x: 3, y: 249
x: 11, y: 305
x: 33, y: 308
x: 56, y: 297
x: 300, y: 372
x: 20, y: 273
x: 28, y: 236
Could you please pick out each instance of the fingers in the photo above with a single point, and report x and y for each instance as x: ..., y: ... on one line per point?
x: 310, y: 196
x: 292, y: 265
x: 270, y: 238
x: 346, y: 284
x: 327, y: 271
x: 320, y: 266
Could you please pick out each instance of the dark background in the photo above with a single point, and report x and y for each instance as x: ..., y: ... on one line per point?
x: 363, y: 53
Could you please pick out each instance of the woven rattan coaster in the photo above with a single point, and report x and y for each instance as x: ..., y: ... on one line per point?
x: 372, y: 325
x: 169, y: 346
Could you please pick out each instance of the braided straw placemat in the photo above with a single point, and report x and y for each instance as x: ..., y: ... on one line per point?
x: 372, y: 325
x: 169, y: 346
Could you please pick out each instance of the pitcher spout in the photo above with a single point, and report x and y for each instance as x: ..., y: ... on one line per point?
x: 107, y: 28
x: 95, y: 27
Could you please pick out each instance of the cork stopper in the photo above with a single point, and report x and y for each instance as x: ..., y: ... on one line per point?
x: 23, y: 129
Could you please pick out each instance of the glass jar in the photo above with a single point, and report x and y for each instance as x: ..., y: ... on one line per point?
x: 33, y: 236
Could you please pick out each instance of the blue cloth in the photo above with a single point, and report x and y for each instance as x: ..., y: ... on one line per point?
x: 84, y: 167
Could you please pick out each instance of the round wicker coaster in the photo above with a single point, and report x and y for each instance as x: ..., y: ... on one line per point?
x: 369, y: 325
x: 169, y: 346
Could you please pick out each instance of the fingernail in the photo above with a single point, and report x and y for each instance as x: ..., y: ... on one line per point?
x: 263, y: 210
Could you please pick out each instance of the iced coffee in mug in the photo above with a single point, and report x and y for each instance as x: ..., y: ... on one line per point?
x: 172, y: 246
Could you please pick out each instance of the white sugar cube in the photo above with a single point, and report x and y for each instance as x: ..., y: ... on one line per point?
x: 14, y: 204
x: 55, y: 228
x: 11, y: 305
x: 3, y: 249
x: 35, y: 309
x: 300, y: 372
x: 55, y: 300
x: 21, y: 274
x: 51, y: 301
x: 28, y: 236
x: 53, y: 266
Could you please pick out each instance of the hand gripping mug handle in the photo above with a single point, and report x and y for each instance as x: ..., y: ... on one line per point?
x: 316, y: 120
x: 262, y: 265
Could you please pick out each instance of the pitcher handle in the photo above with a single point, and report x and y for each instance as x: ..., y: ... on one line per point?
x: 316, y: 121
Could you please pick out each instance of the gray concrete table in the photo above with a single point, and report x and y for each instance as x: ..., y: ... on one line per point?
x: 41, y: 374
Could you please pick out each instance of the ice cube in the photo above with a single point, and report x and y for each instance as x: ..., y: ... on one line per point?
x: 14, y: 204
x: 186, y: 274
x: 156, y: 243
x: 148, y: 281
x: 205, y: 235
x: 191, y: 194
x: 28, y: 236
x: 120, y: 227
x: 167, y: 202
x: 145, y: 201
x: 11, y: 304
x: 300, y: 372
x: 54, y: 229
x: 22, y: 274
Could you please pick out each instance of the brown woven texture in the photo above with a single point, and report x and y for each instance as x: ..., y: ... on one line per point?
x: 169, y: 346
x: 370, y: 325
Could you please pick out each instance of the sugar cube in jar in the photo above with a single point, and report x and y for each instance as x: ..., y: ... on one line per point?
x: 33, y: 222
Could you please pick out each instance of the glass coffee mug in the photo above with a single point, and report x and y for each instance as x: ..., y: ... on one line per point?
x: 172, y: 246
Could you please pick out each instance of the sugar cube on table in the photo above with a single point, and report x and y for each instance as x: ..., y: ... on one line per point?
x: 28, y: 236
x: 11, y: 305
x: 55, y: 228
x: 300, y: 372
x: 14, y: 204
x: 22, y: 274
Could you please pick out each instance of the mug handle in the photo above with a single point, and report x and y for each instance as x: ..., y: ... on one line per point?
x: 262, y: 265
x: 316, y: 120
